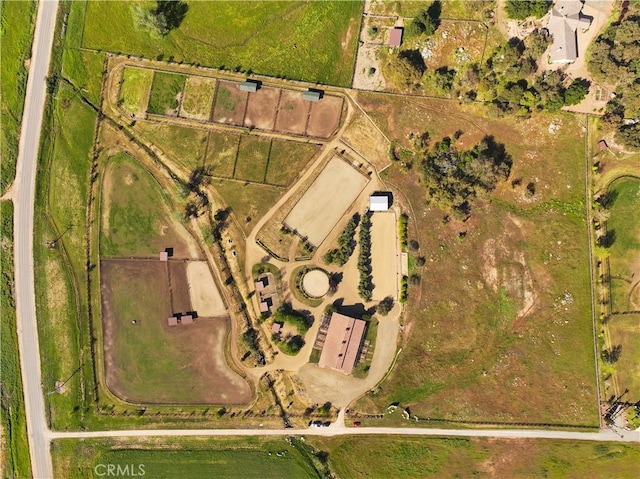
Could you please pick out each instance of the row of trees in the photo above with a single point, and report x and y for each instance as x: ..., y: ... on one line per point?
x: 346, y: 244
x: 453, y: 178
x: 522, y: 9
x: 365, y: 286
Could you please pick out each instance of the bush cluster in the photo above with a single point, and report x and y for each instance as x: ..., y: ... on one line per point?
x: 285, y: 314
x: 403, y: 230
x: 346, y: 243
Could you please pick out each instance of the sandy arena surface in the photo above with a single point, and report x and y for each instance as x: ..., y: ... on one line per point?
x: 326, y: 200
x: 316, y: 283
x: 385, y: 255
x: 205, y: 297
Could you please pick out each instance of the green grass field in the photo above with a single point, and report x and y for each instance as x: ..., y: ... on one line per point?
x: 15, y: 460
x: 409, y: 457
x: 249, y: 202
x: 624, y: 222
x: 184, y: 146
x: 501, y: 321
x: 135, y: 215
x: 624, y: 330
x: 15, y: 48
x: 253, y: 155
x: 136, y: 85
x: 319, y: 44
x: 286, y: 160
x: 81, y: 67
x: 193, y: 458
x: 222, y: 151
x: 71, y: 162
x: 165, y: 91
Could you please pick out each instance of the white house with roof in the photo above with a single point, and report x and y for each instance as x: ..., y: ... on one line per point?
x: 565, y: 19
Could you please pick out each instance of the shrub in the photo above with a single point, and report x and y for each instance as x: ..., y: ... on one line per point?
x: 522, y: 9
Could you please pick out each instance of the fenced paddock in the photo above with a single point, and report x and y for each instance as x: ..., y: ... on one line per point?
x: 326, y: 201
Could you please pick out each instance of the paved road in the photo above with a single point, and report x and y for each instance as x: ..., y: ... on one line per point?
x: 37, y: 427
x: 606, y: 435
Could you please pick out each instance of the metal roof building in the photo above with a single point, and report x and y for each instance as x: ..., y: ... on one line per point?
x: 312, y: 95
x: 342, y: 343
x: 395, y: 37
x: 378, y: 203
x: 565, y: 19
x: 249, y: 86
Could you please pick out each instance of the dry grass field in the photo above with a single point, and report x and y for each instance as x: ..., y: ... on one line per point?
x: 197, y: 100
x: 222, y: 150
x: 253, y: 156
x: 326, y: 200
x: 147, y: 361
x: 500, y: 326
x: 183, y: 146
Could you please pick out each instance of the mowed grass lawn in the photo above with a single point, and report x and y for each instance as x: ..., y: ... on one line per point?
x: 501, y: 327
x: 135, y: 89
x: 287, y: 160
x: 166, y: 91
x: 624, y: 223
x: 410, y: 457
x: 135, y: 218
x: 251, y: 457
x: 312, y: 41
x: 15, y: 47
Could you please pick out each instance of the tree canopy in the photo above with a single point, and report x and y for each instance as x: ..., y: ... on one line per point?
x: 454, y: 178
x: 522, y: 9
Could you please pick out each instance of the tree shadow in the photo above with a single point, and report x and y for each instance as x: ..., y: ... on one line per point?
x: 608, y: 239
x: 172, y: 11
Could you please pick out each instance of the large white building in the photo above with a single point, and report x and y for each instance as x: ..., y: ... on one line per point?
x: 378, y: 202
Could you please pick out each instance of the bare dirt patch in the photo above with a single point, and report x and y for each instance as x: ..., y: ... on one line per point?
x: 326, y: 200
x: 385, y: 255
x: 205, y: 296
x: 292, y: 113
x: 230, y: 104
x: 147, y: 361
x: 261, y: 108
x: 324, y: 116
x: 179, y: 287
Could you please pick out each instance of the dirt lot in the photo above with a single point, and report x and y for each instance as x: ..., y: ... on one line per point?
x: 149, y: 362
x: 385, y: 255
x: 326, y: 200
x: 179, y: 287
x: 205, y: 297
x: 230, y: 104
x: 261, y: 108
x: 324, y: 116
x: 292, y: 113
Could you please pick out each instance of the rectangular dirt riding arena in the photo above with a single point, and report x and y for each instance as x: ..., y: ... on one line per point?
x: 326, y: 200
x: 385, y: 255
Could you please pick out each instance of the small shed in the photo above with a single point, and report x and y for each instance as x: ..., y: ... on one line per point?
x: 603, y: 145
x: 312, y: 95
x: 276, y: 327
x: 395, y: 36
x: 187, y: 319
x: 378, y: 203
x: 164, y: 255
x: 264, y: 307
x: 261, y: 284
x: 172, y: 321
x: 249, y: 86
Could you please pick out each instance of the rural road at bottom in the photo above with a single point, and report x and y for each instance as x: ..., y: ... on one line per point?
x: 604, y: 435
x: 37, y: 427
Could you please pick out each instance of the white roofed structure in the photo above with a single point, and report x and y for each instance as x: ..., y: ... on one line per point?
x: 565, y: 19
x: 378, y: 203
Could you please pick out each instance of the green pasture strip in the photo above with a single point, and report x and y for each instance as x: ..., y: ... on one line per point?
x: 135, y: 89
x: 184, y: 146
x: 165, y: 90
x: 253, y: 155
